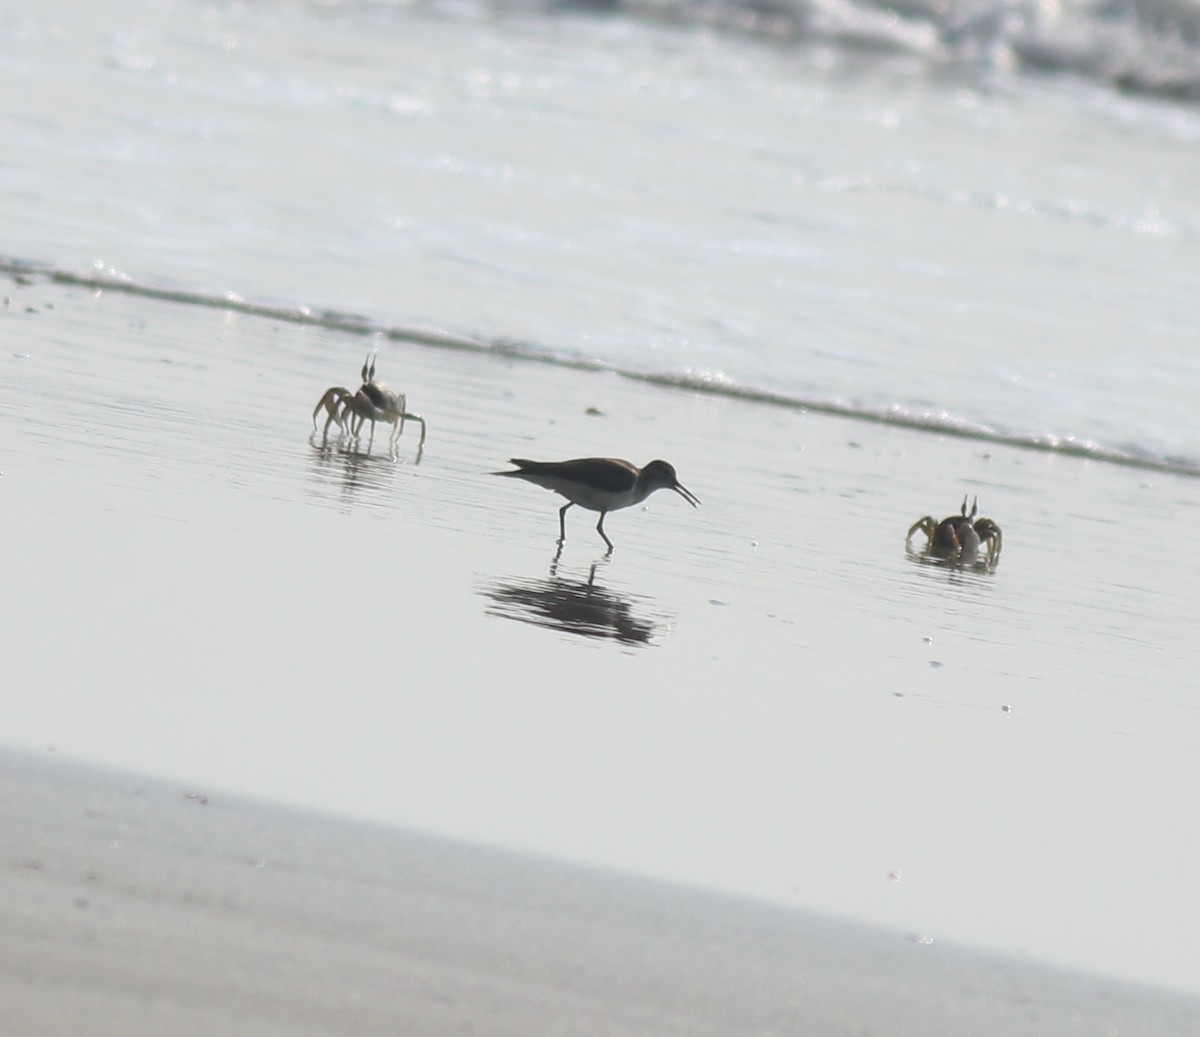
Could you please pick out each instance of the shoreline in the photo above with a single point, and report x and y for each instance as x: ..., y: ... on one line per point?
x: 890, y: 416
x: 134, y: 904
x: 764, y: 696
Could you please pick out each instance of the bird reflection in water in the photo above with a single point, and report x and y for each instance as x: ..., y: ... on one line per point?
x: 574, y: 606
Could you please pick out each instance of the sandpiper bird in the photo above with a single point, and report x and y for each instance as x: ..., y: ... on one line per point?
x: 600, y: 484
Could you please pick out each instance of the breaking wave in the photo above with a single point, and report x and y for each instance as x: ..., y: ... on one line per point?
x: 896, y: 415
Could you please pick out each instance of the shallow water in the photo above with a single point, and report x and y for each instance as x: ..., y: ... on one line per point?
x: 843, y: 218
x: 792, y: 707
x: 766, y: 695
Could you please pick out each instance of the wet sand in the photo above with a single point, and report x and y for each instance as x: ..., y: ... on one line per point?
x: 763, y: 698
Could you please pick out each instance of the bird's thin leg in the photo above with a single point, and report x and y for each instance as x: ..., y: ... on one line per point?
x: 600, y: 530
x: 562, y: 523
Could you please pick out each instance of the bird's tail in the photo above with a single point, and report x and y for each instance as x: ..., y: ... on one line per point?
x: 523, y: 466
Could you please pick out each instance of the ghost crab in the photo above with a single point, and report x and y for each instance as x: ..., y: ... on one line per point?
x: 373, y: 401
x: 958, y: 538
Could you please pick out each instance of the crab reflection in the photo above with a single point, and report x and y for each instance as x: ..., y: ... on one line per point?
x: 340, y: 470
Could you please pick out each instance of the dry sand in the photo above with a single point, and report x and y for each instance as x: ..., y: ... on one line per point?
x: 134, y: 906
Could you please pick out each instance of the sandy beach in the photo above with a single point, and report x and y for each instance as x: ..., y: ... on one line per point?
x: 758, y: 772
x: 132, y: 905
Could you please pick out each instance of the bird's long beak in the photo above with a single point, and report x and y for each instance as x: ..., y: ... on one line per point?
x: 686, y: 494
